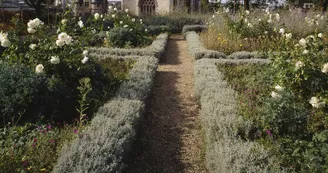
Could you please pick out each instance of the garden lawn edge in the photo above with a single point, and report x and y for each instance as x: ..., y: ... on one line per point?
x: 106, y: 143
x: 224, y: 150
x: 198, y: 51
x: 155, y: 49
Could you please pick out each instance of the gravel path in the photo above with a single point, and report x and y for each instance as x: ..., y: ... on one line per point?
x: 171, y: 139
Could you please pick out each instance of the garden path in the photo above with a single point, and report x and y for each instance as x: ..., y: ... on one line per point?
x: 171, y: 140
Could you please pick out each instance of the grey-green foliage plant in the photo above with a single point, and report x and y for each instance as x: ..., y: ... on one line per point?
x: 140, y: 80
x: 103, y: 145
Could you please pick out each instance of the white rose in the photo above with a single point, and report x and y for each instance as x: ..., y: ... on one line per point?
x: 68, y: 40
x: 299, y: 64
x: 125, y: 26
x: 247, y: 12
x: 126, y: 10
x: 60, y: 43
x: 305, y: 52
x: 110, y: 8
x: 302, y: 42
x: 101, y: 16
x: 5, y: 43
x: 121, y: 22
x: 85, y: 52
x: 133, y: 20
x: 320, y: 35
x: 270, y: 21
x: 39, y: 69
x: 62, y: 36
x: 115, y: 9
x: 289, y: 36
x: 146, y: 30
x: 64, y: 21
x: 84, y: 60
x: 275, y: 95
x: 279, y: 88
x: 31, y: 24
x: 96, y: 16
x: 250, y: 25
x: 140, y: 20
x: 31, y: 30
x: 32, y: 46
x: 325, y: 68
x: 277, y: 17
x: 282, y: 30
x: 315, y: 102
x: 227, y: 10
x: 80, y: 23
x: 113, y: 16
x: 54, y: 60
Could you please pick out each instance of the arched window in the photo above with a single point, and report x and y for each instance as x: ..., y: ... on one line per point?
x: 148, y: 7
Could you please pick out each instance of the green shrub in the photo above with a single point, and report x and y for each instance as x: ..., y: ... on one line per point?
x: 175, y: 23
x: 19, y: 89
x: 123, y: 37
x: 156, y: 30
x: 196, y: 28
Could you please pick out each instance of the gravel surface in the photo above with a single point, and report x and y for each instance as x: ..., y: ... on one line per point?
x: 171, y: 140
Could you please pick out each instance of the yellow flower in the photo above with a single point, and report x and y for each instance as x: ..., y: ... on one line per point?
x: 241, y: 45
x: 29, y: 168
x: 43, y: 169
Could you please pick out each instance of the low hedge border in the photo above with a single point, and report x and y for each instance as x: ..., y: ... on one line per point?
x: 196, y: 28
x: 105, y: 144
x: 225, y: 151
x: 156, y: 49
x: 198, y: 51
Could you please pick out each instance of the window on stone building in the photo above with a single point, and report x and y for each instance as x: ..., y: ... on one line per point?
x: 148, y: 7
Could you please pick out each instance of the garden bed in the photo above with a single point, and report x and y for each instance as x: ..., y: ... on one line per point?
x: 155, y: 49
x: 198, y: 51
x: 225, y: 150
x: 109, y: 138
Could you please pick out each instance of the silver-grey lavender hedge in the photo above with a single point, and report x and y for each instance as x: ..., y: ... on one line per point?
x: 155, y: 49
x: 196, y: 28
x: 106, y: 140
x: 140, y: 80
x: 197, y: 50
x: 109, y: 138
x: 245, y: 55
x: 225, y: 151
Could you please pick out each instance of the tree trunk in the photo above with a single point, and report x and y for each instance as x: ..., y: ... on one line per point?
x: 246, y: 4
x: 324, y: 6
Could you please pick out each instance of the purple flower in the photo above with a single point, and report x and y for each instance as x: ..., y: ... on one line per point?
x: 76, y: 131
x: 269, y: 132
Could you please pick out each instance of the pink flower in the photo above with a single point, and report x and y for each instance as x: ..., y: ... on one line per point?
x: 269, y: 132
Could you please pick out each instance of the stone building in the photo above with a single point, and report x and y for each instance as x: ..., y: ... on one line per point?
x: 136, y: 7
x: 147, y: 7
x: 86, y: 7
